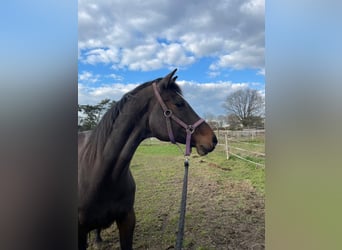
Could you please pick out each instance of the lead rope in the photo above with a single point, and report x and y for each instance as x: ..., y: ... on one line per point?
x: 180, y: 234
x: 190, y: 129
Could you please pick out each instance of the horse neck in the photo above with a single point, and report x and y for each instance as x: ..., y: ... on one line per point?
x: 129, y: 129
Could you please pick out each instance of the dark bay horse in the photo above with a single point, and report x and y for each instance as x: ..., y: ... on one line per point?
x: 106, y: 188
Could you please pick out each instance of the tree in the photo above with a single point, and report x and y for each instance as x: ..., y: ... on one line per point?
x: 247, y: 105
x: 210, y: 119
x: 234, y: 122
x: 89, y: 120
x: 91, y: 114
x: 103, y: 106
x: 222, y: 120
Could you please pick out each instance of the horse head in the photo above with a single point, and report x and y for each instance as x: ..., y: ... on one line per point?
x: 173, y: 119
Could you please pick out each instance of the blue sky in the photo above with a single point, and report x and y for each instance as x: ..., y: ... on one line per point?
x: 217, y: 46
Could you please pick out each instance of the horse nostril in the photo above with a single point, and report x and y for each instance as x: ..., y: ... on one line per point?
x: 215, y: 140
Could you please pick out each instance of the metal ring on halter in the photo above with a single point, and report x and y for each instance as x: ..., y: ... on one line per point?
x: 168, y: 113
x: 190, y: 129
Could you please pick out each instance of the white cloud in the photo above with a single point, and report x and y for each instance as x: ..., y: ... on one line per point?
x: 95, y: 56
x: 88, y: 77
x: 253, y: 7
x: 93, y: 95
x: 116, y: 77
x: 154, y: 56
x: 203, y: 97
x: 214, y: 74
x: 245, y: 57
x: 127, y: 33
x: 261, y: 72
x: 208, y: 97
x: 140, y: 57
x: 174, y: 54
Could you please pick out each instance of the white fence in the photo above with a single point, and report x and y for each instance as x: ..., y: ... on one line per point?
x: 247, y: 145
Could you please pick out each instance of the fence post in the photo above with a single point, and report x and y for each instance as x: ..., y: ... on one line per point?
x: 227, y: 147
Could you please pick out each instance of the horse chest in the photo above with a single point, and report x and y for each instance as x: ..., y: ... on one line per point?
x: 113, y: 202
x: 118, y: 201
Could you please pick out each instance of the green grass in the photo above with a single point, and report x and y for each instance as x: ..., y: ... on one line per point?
x: 225, y: 200
x: 156, y: 148
x: 237, y: 169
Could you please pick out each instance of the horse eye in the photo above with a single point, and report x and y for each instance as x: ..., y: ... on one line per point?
x: 180, y: 104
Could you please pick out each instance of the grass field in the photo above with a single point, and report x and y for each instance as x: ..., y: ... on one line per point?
x: 225, y: 206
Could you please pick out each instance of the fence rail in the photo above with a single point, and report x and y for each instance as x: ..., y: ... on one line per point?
x: 248, y: 146
x: 243, y: 145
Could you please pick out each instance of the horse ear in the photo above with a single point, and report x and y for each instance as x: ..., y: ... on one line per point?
x: 168, y: 80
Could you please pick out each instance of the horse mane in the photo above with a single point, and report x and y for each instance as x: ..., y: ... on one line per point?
x: 103, y: 129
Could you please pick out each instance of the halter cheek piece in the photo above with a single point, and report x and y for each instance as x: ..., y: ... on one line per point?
x: 190, y: 129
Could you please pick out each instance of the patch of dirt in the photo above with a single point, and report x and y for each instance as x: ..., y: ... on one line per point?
x: 214, y: 165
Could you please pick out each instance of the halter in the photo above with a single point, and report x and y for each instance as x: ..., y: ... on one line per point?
x: 190, y: 129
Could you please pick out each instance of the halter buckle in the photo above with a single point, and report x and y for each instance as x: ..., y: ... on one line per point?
x: 168, y: 113
x: 190, y: 129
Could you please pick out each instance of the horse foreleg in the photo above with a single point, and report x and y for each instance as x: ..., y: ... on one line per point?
x: 126, y: 229
x: 82, y: 239
x: 98, y: 238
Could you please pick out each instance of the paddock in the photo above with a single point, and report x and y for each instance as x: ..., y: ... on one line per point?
x: 225, y: 207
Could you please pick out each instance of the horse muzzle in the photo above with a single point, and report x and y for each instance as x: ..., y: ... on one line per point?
x: 204, y: 147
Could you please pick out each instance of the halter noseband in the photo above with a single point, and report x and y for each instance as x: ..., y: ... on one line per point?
x: 190, y: 129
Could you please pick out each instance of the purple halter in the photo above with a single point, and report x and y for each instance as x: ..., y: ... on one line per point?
x: 190, y: 129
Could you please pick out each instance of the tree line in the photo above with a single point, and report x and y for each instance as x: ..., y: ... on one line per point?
x: 90, y: 115
x: 245, y: 109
